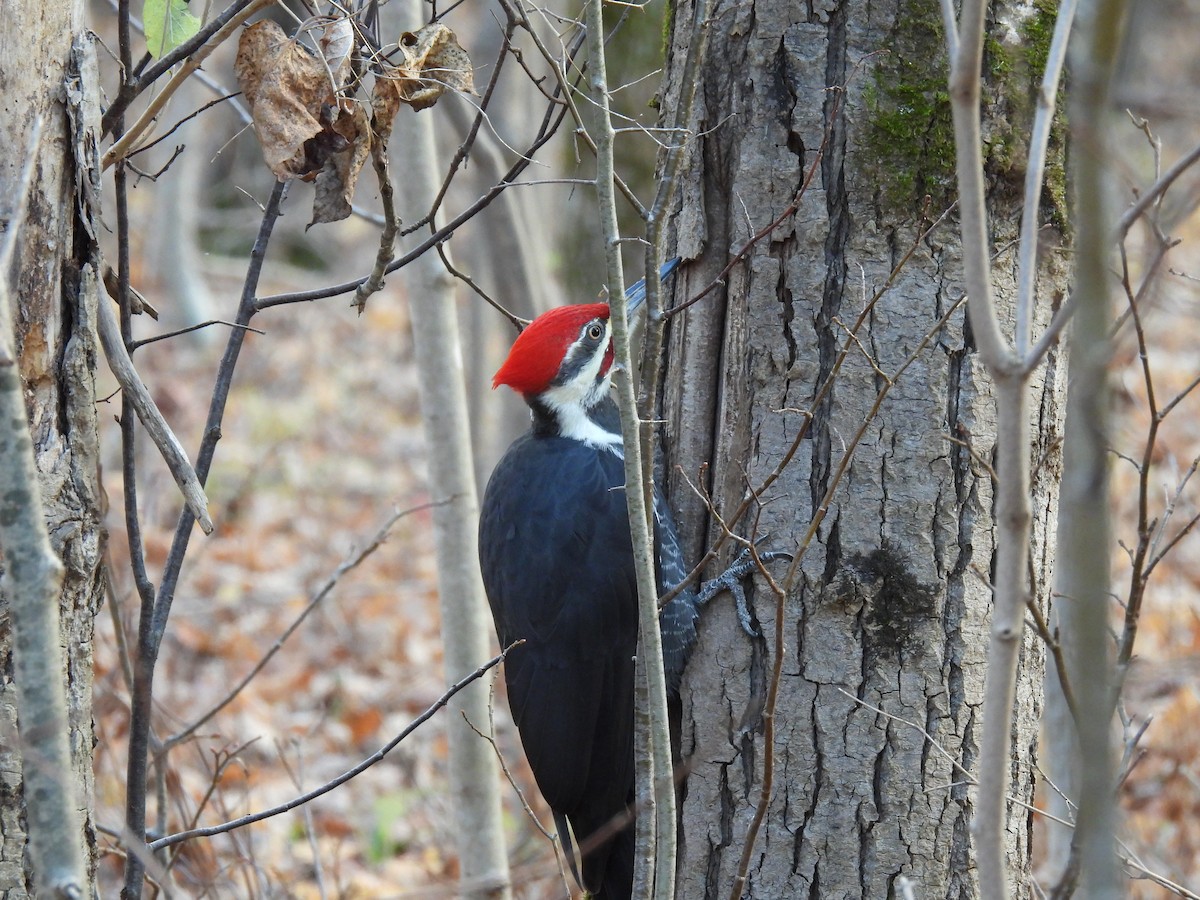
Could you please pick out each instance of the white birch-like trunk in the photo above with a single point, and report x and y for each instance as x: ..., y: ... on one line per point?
x: 1085, y: 572
x: 466, y: 625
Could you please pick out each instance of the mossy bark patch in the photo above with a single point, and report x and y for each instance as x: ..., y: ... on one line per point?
x: 910, y: 141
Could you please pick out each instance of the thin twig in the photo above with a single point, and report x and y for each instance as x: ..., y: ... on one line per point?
x: 464, y: 148
x: 1155, y: 192
x: 180, y: 331
x: 965, y: 88
x: 216, y: 413
x: 1048, y: 338
x: 157, y: 607
x: 768, y: 719
x: 133, y: 86
x: 387, y: 237
x: 1138, y: 579
x: 443, y: 234
x: 138, y: 858
x: 114, y: 612
x: 1179, y: 398
x: 490, y: 737
x: 123, y: 147
x: 1035, y: 172
x: 517, y: 322
x: 348, y: 565
x: 147, y: 410
x: 170, y: 131
x: 222, y: 759
x: 310, y: 830
x: 1054, y: 645
x: 345, y: 776
x: 1176, y: 538
x: 568, y: 90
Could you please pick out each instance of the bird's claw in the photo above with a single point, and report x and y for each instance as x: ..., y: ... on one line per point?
x: 731, y: 580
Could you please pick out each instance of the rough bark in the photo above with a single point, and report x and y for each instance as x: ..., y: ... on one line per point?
x: 56, y: 357
x: 891, y: 607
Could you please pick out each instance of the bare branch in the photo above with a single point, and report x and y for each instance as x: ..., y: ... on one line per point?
x: 181, y: 331
x: 1039, y: 140
x: 387, y: 237
x: 341, y: 779
x: 1050, y: 639
x: 156, y: 608
x: 1084, y: 495
x: 123, y: 147
x: 1160, y: 187
x: 517, y: 322
x: 134, y: 85
x: 348, y: 565
x: 654, y: 781
x: 965, y: 66
x: 156, y: 426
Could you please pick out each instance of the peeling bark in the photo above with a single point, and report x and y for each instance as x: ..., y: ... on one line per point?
x: 891, y: 609
x: 56, y: 356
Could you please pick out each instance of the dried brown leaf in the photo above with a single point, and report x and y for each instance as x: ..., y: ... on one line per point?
x: 292, y: 99
x: 336, y: 43
x: 435, y: 54
x: 385, y: 103
x: 433, y: 62
x: 339, y: 176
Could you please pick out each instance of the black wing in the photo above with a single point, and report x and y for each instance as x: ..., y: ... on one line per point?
x: 558, y: 568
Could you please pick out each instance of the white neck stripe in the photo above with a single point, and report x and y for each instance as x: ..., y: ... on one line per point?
x: 568, y: 403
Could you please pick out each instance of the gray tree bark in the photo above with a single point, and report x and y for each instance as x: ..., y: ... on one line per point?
x: 886, y: 627
x: 466, y: 629
x: 54, y: 326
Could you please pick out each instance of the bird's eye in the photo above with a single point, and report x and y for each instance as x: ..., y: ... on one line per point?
x: 595, y: 331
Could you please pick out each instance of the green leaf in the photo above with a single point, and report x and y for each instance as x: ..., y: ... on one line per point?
x: 168, y: 24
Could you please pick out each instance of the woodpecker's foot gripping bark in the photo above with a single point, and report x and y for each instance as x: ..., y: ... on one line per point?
x: 731, y: 580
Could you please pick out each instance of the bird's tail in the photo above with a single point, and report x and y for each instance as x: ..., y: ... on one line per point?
x: 607, y: 869
x: 568, y: 845
x: 610, y: 869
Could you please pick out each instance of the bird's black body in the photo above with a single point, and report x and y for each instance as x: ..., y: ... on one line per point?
x: 563, y: 581
x: 557, y: 563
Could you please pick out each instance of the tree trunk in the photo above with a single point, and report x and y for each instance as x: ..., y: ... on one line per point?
x: 474, y: 776
x: 54, y: 289
x: 886, y: 625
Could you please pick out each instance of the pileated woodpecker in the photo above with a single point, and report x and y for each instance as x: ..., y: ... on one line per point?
x: 557, y: 563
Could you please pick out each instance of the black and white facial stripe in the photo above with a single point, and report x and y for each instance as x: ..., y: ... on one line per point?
x: 580, y: 385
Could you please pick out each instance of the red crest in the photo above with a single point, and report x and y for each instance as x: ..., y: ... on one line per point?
x: 538, y: 351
